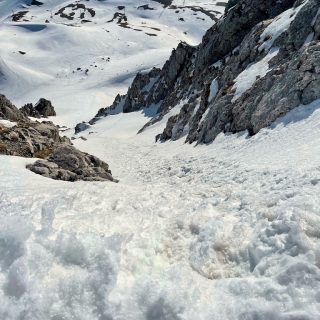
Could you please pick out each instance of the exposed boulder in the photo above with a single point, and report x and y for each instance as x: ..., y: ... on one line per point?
x: 43, y: 108
x: 69, y: 164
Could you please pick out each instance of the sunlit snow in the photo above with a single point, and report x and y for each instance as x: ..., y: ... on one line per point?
x: 227, y: 231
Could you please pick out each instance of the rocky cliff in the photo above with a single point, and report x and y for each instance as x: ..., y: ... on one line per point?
x: 19, y: 136
x: 259, y: 61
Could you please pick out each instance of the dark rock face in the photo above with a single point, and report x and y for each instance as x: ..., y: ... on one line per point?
x: 230, y: 4
x: 81, y: 127
x: 36, y: 3
x: 153, y: 87
x: 43, y: 108
x: 228, y: 33
x: 166, y: 3
x: 240, y: 40
x: 34, y: 139
x: 29, y: 111
x: 139, y: 90
x: 30, y: 139
x: 292, y: 83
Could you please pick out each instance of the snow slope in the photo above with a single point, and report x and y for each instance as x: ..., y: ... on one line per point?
x: 83, y: 63
x: 226, y: 231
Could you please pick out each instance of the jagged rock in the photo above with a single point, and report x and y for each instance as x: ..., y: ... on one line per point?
x: 29, y: 111
x: 8, y: 111
x: 230, y: 4
x: 31, y: 139
x: 81, y: 127
x: 141, y: 85
x: 153, y: 87
x: 36, y: 3
x: 293, y: 81
x: 69, y: 164
x: 44, y: 108
x: 166, y: 3
x: 34, y: 139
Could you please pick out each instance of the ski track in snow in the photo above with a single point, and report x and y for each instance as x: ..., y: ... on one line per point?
x: 225, y: 231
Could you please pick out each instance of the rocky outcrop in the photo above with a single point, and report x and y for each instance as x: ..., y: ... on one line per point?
x: 293, y: 78
x: 42, y: 109
x: 29, y: 111
x: 81, y: 127
x: 8, y: 111
x: 69, y: 164
x: 32, y: 139
x: 255, y: 64
x: 152, y: 88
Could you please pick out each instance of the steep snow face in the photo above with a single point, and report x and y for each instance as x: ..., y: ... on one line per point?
x: 227, y: 231
x: 81, y: 54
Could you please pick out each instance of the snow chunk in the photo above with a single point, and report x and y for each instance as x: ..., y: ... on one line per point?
x: 7, y: 123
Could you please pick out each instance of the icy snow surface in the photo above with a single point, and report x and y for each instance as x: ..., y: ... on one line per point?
x: 214, y: 88
x: 226, y: 231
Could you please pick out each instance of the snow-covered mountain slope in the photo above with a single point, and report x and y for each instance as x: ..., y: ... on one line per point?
x: 225, y: 231
x: 228, y: 231
x: 80, y: 54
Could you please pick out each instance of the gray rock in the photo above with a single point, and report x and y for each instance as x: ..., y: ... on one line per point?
x: 34, y: 139
x: 166, y: 3
x: 45, y: 108
x: 29, y: 111
x: 69, y: 164
x: 226, y: 50
x: 81, y: 127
